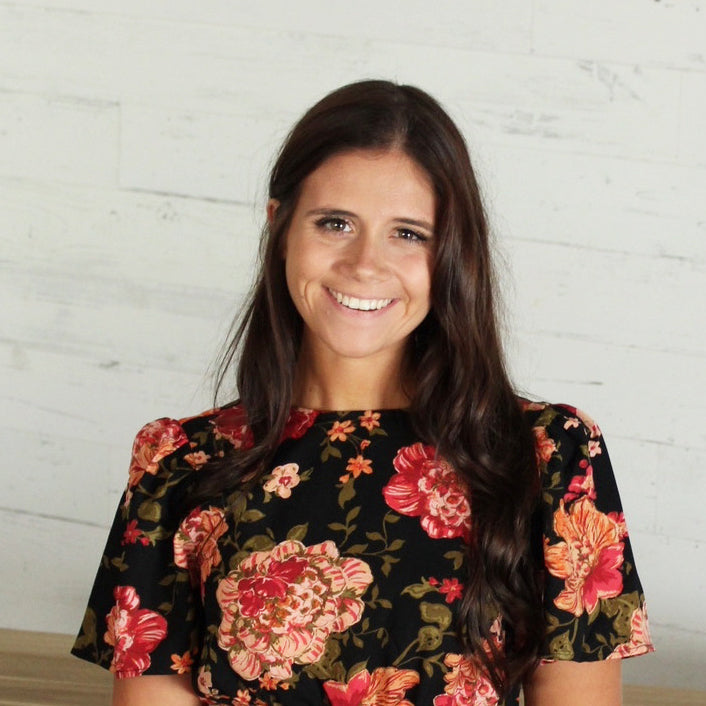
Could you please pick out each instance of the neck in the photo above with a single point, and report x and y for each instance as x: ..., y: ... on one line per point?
x: 330, y: 382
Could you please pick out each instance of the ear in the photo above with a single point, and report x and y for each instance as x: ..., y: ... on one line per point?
x: 272, y: 206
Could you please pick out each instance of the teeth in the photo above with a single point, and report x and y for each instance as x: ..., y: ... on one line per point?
x: 359, y: 304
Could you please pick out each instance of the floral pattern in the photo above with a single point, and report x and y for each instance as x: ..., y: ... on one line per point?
x: 280, y: 606
x: 337, y: 577
x: 196, y: 542
x: 589, y: 558
x: 133, y: 632
x: 426, y: 486
x: 386, y: 685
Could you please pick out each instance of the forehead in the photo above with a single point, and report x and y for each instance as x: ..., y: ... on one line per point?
x: 386, y: 179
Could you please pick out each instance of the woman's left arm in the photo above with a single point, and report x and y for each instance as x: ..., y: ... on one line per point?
x: 575, y: 684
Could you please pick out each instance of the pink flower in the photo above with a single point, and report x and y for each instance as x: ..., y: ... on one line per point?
x: 282, y: 480
x: 589, y: 559
x: 133, y: 632
x: 197, y: 459
x: 280, y: 606
x: 153, y: 442
x: 587, y: 420
x: 386, y: 686
x: 640, y: 641
x: 594, y: 448
x: 428, y: 487
x: 581, y: 485
x: 196, y: 542
x: 466, y: 684
x: 232, y: 424
x: 299, y: 422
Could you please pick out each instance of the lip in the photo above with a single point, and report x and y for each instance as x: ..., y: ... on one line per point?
x: 360, y: 305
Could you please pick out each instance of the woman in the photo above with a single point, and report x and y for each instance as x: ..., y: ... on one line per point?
x: 433, y: 546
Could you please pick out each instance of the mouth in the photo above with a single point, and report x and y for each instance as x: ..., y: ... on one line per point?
x: 358, y: 304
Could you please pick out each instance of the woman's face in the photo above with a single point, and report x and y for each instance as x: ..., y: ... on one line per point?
x: 359, y: 254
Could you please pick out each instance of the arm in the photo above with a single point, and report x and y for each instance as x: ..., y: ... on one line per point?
x: 175, y: 690
x: 575, y: 684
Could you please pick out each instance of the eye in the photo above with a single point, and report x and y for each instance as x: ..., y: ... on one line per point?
x: 332, y: 223
x: 411, y: 235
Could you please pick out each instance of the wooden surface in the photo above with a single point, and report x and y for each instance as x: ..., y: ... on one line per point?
x: 36, y: 669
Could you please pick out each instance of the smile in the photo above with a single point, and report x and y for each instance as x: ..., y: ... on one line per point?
x: 359, y: 304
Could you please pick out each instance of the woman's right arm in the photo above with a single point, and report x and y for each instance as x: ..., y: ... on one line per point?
x: 172, y: 689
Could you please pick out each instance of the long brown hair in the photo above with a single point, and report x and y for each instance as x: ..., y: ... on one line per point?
x: 463, y: 402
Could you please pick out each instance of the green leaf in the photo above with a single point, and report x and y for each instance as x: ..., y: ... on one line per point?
x: 429, y: 638
x: 252, y: 516
x: 168, y: 580
x: 392, y: 517
x: 428, y: 668
x: 395, y: 545
x: 352, y: 514
x: 333, y: 451
x: 298, y: 532
x: 437, y: 613
x: 417, y: 590
x: 259, y: 543
x: 375, y: 536
x: 356, y: 549
x: 149, y: 511
x: 457, y: 558
x: 347, y: 493
x: 356, y: 668
x: 337, y: 527
x: 561, y: 648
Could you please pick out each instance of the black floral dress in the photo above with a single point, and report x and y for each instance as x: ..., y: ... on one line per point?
x: 335, y: 579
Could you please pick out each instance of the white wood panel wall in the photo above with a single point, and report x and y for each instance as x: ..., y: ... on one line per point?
x: 134, y: 143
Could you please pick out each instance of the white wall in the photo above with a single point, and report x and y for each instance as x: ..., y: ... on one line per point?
x: 134, y: 143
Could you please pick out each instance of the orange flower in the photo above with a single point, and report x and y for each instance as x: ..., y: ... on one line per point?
x: 182, y: 664
x: 359, y: 465
x: 340, y: 430
x: 543, y: 444
x: 385, y: 686
x: 589, y: 558
x: 369, y: 419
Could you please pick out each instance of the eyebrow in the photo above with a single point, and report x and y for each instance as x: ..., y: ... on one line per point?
x: 340, y: 212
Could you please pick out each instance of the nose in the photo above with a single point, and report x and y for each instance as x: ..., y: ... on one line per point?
x: 365, y: 257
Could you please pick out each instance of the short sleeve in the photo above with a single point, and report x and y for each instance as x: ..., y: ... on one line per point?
x: 593, y: 600
x: 142, y: 612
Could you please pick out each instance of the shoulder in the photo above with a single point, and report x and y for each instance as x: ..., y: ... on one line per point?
x: 168, y: 451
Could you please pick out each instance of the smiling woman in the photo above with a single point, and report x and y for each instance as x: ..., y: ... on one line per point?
x: 358, y: 274
x: 379, y: 517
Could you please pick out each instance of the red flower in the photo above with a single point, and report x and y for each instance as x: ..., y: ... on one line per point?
x: 131, y: 535
x: 232, y: 424
x: 452, y: 588
x: 133, y: 632
x: 428, y: 487
x: 581, y: 485
x: 299, y: 422
x: 153, y: 442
